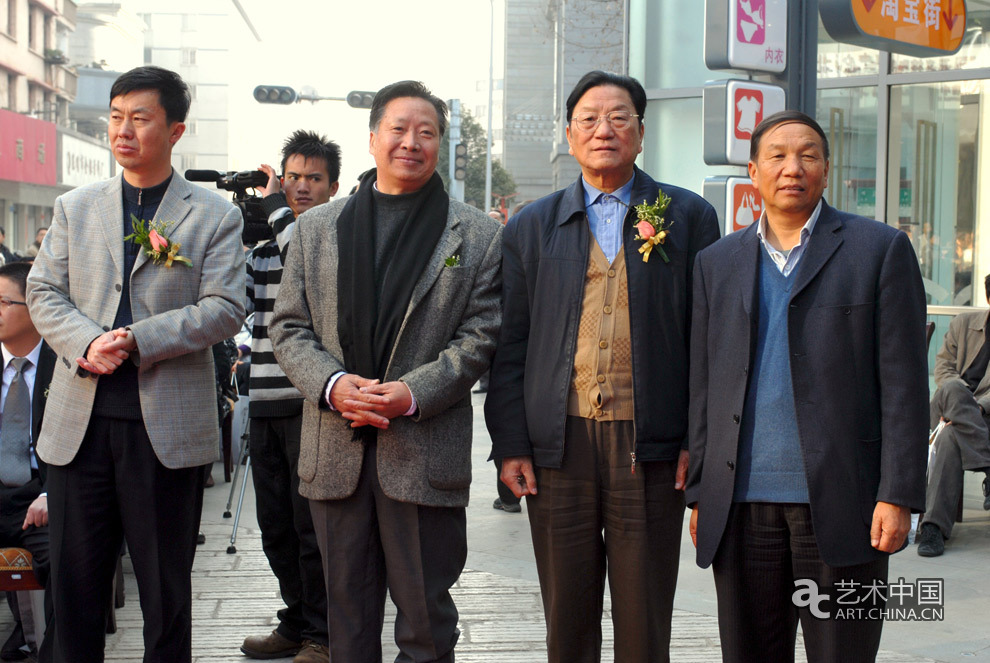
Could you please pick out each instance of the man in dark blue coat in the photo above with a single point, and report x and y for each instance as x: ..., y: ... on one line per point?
x: 809, y: 408
x: 588, y: 398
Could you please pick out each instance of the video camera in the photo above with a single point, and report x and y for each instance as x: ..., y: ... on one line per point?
x: 256, y: 228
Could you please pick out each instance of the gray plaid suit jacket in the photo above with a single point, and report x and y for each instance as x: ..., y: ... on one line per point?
x: 179, y: 312
x: 445, y: 343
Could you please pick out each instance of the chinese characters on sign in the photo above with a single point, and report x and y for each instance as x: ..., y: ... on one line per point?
x: 912, y: 27
x: 746, y: 34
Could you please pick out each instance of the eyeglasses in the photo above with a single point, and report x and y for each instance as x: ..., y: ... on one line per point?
x: 618, y: 120
x: 7, y: 303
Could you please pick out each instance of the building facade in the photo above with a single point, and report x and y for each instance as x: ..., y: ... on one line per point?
x: 37, y: 84
x: 910, y: 137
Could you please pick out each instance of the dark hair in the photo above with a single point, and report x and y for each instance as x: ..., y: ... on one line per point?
x: 173, y: 93
x: 16, y: 272
x: 311, y: 145
x: 986, y: 286
x: 406, y: 89
x: 597, y: 78
x: 784, y: 117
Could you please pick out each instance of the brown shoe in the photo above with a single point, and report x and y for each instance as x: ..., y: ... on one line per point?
x: 268, y: 646
x: 312, y: 652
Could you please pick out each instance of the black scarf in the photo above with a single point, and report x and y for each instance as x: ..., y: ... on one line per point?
x: 371, y: 306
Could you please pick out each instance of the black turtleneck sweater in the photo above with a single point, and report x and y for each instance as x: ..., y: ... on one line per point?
x: 117, y: 394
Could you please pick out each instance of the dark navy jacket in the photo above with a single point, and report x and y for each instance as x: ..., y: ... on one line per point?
x: 544, y: 263
x: 859, y: 368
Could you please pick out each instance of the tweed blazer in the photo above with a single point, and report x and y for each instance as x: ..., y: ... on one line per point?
x: 74, y: 291
x: 963, y: 342
x: 445, y: 343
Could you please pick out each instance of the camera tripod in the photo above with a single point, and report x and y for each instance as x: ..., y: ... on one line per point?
x: 245, y: 461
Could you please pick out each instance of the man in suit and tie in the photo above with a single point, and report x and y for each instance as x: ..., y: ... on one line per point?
x: 809, y: 393
x: 131, y: 416
x: 962, y: 401
x: 27, y: 371
x: 588, y: 398
x: 386, y: 316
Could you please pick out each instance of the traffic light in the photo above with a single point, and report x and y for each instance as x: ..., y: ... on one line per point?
x: 360, y: 99
x: 460, y: 161
x: 275, y: 94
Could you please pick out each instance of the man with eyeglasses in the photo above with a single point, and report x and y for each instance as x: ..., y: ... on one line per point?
x: 28, y: 363
x: 588, y: 399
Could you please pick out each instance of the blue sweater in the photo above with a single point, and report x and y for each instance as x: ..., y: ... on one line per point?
x: 769, y: 465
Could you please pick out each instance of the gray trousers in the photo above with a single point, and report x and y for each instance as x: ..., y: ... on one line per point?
x: 962, y: 446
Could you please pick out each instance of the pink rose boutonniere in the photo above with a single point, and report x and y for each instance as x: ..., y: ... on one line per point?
x: 652, y: 228
x: 151, y: 237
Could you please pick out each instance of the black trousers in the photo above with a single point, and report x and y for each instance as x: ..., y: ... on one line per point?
x: 765, y: 548
x: 115, y: 489
x: 371, y: 543
x: 287, y: 535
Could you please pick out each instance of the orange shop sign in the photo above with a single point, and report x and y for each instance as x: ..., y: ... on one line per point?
x: 912, y: 27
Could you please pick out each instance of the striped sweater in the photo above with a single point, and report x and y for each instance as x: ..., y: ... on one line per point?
x: 272, y: 394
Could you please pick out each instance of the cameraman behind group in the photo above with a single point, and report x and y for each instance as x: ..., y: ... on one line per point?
x: 311, y: 168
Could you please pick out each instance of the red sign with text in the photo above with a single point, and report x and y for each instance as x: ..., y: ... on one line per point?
x: 27, y: 149
x: 747, y: 206
x: 748, y: 105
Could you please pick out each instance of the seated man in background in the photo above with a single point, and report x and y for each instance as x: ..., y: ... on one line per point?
x: 27, y: 372
x: 961, y: 400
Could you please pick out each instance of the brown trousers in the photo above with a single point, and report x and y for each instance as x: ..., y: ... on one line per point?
x: 591, y: 517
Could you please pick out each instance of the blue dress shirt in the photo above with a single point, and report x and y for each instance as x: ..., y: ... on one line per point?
x: 606, y: 214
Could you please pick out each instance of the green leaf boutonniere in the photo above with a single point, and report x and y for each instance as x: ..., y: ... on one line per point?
x: 453, y: 261
x: 651, y: 226
x: 151, y: 237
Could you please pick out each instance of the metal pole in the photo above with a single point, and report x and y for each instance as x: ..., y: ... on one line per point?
x: 456, y: 185
x: 491, y: 82
x: 800, y: 79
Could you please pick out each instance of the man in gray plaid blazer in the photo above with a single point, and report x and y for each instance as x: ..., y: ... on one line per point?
x: 131, y: 416
x: 386, y: 315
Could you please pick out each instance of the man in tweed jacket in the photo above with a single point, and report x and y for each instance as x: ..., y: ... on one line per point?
x: 131, y: 416
x: 386, y: 316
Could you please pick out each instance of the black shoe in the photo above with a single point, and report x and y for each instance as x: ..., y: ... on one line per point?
x: 931, y: 543
x: 14, y: 648
x: 986, y: 493
x: 508, y: 508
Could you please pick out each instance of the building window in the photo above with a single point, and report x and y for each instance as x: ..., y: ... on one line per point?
x: 32, y: 33
x: 189, y: 56
x: 191, y: 128
x: 5, y: 15
x: 6, y: 90
x: 189, y: 22
x: 188, y: 162
x: 147, y: 55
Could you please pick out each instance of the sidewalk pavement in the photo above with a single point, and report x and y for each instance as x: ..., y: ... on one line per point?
x: 501, y: 618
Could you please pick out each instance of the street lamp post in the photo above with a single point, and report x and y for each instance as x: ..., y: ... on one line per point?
x: 491, y: 68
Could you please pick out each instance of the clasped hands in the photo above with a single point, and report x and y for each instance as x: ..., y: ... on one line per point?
x: 366, y: 402
x: 108, y: 351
